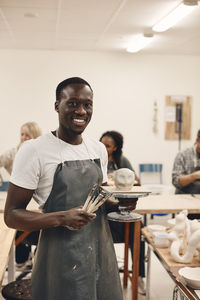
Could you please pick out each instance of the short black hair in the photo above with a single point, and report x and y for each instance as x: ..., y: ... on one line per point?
x: 118, y: 140
x: 66, y: 82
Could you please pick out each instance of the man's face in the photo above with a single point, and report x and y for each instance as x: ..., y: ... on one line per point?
x: 75, y: 107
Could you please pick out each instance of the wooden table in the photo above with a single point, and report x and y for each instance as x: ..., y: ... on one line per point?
x: 168, y: 204
x: 170, y: 266
x: 7, y: 239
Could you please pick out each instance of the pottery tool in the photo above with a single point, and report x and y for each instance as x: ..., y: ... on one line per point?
x: 90, y: 196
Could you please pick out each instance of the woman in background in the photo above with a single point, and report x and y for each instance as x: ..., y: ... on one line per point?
x: 29, y: 130
x: 113, y: 142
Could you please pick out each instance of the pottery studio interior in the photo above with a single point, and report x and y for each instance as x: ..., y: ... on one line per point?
x: 109, y: 88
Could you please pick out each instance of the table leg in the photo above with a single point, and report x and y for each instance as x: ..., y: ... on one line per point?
x: 21, y: 238
x: 145, y: 220
x: 126, y: 247
x: 175, y: 293
x: 148, y: 272
x: 11, y: 264
x: 136, y: 259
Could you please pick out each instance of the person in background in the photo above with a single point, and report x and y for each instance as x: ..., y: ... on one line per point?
x: 75, y: 256
x: 29, y: 130
x: 113, y: 142
x: 186, y: 171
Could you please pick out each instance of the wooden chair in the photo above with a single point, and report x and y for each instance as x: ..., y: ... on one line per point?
x: 151, y: 169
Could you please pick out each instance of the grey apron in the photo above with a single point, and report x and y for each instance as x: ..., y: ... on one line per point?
x: 81, y: 264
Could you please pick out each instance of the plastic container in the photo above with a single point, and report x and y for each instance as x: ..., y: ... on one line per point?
x: 156, y: 228
x: 161, y: 239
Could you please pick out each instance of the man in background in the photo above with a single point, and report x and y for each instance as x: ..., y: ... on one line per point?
x: 186, y: 171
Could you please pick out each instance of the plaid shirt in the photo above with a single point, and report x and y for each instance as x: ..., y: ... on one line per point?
x: 185, y: 163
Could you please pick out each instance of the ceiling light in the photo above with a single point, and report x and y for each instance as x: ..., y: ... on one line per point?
x: 182, y: 10
x: 139, y: 43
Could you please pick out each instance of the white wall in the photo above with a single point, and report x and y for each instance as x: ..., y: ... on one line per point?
x: 125, y: 88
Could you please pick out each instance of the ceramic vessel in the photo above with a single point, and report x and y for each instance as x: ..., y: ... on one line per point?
x: 156, y: 228
x: 124, y: 179
x: 185, y: 238
x: 171, y: 222
x: 191, y: 275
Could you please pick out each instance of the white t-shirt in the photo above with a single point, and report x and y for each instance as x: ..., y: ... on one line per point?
x: 36, y: 162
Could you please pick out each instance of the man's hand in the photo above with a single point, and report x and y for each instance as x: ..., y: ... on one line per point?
x: 17, y: 216
x: 76, y: 218
x: 197, y: 174
x: 185, y: 180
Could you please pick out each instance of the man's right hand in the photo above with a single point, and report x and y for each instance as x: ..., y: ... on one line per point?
x: 17, y: 216
x: 76, y: 218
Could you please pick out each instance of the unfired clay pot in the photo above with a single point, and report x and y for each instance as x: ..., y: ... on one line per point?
x: 124, y: 179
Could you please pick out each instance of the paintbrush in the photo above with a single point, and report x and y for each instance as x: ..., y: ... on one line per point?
x: 99, y: 203
x: 90, y: 196
x: 95, y: 199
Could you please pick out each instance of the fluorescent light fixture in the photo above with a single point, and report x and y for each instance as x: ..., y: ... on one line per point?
x: 139, y: 43
x: 182, y: 10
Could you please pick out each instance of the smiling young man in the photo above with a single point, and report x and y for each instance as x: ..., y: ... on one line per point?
x: 75, y: 255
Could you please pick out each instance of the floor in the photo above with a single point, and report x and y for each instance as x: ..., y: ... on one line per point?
x: 161, y: 289
x: 161, y: 286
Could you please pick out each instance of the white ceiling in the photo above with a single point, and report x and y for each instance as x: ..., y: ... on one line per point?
x: 94, y: 25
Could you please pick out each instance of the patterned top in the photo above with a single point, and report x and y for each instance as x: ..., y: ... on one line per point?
x: 186, y: 162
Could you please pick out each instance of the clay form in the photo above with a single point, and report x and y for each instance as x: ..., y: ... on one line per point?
x: 124, y: 179
x: 194, y: 225
x: 160, y: 239
x: 171, y: 222
x: 185, y: 237
x: 156, y: 228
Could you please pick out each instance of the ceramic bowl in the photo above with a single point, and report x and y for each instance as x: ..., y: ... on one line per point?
x: 191, y: 275
x: 156, y: 228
